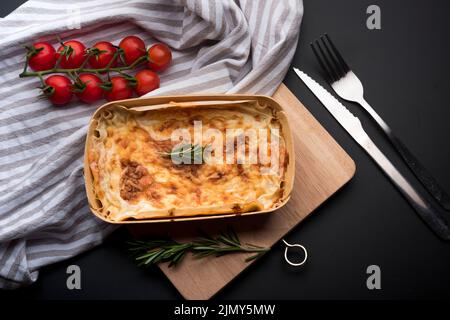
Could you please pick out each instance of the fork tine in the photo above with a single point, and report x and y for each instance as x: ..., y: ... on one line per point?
x: 330, y: 65
x: 327, y: 72
x: 335, y: 62
x: 342, y: 62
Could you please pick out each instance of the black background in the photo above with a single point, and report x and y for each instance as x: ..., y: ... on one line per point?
x: 405, y: 70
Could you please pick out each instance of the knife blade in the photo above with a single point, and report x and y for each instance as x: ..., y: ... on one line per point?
x: 426, y: 210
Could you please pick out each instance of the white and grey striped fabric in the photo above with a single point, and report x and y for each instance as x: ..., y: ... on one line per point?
x: 218, y: 47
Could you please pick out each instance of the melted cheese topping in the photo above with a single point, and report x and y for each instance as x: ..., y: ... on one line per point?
x: 133, y: 178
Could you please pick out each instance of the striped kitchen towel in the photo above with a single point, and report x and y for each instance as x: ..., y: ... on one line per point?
x: 218, y: 47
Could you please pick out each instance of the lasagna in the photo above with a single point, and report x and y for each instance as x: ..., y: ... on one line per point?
x: 130, y: 155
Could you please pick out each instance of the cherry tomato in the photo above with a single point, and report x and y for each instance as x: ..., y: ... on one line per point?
x: 146, y: 81
x: 101, y: 60
x: 133, y: 48
x: 74, y: 55
x: 120, y: 89
x: 88, y: 89
x: 58, y: 89
x: 42, y: 56
x: 159, y: 57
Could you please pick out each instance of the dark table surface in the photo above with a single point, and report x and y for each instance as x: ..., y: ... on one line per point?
x: 405, y: 69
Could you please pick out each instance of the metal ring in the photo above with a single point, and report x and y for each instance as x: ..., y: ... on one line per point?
x: 295, y: 264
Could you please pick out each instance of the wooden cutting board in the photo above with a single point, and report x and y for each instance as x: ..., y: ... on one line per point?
x: 322, y: 168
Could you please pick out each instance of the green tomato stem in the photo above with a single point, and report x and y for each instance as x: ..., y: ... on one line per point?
x: 82, y: 69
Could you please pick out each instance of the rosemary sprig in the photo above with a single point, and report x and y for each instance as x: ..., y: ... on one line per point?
x: 187, y: 153
x: 152, y: 252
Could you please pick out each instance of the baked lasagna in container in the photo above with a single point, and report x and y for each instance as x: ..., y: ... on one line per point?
x: 187, y: 159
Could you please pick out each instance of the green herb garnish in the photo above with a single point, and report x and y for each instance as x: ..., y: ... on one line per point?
x: 187, y: 154
x: 152, y: 252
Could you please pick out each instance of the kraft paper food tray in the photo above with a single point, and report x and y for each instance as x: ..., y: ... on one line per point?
x: 155, y: 103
